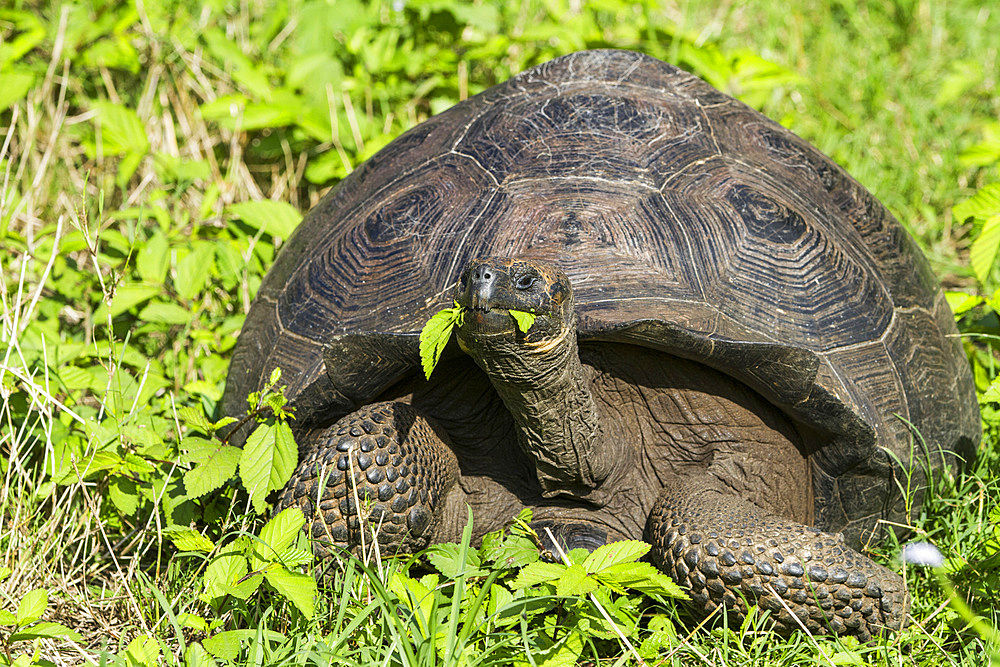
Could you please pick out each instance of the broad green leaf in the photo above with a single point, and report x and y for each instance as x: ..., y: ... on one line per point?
x: 434, y: 337
x: 153, y: 260
x: 213, y: 472
x: 276, y: 218
x: 188, y: 539
x: 143, y: 650
x: 166, y: 313
x: 196, y: 656
x: 269, y: 457
x: 538, y: 573
x: 224, y: 572
x: 524, y: 320
x: 45, y: 630
x: 575, y: 581
x: 7, y: 618
x: 121, y: 131
x: 276, y: 536
x: 446, y: 559
x: 226, y: 645
x: 960, y: 302
x: 32, y: 606
x: 193, y: 271
x: 295, y: 557
x: 127, y: 296
x: 194, y: 418
x: 193, y: 621
x: 124, y: 493
x: 642, y: 577
x: 983, y: 252
x: 515, y: 551
x: 299, y: 588
x: 13, y: 87
x: 984, y: 204
x: 625, y: 551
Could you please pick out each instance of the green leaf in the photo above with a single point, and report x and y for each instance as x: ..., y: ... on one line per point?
x: 193, y: 271
x: 434, y: 337
x: 299, y: 588
x: 193, y: 621
x: 32, y: 606
x: 153, y: 260
x: 226, y: 645
x: 124, y: 493
x: 7, y: 618
x: 515, y: 551
x: 196, y: 656
x: 276, y: 536
x: 188, y: 539
x: 524, y: 320
x: 13, y: 87
x: 295, y: 557
x: 983, y: 252
x: 446, y: 559
x: 984, y: 204
x: 143, y: 650
x: 276, y: 218
x: 166, y: 313
x: 194, y: 418
x: 269, y: 457
x: 121, y: 131
x: 213, y: 472
x: 625, y: 551
x: 575, y: 581
x: 224, y: 572
x: 45, y: 630
x: 538, y: 573
x: 127, y: 296
x: 642, y: 577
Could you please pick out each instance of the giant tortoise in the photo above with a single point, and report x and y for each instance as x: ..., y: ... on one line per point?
x: 737, y: 353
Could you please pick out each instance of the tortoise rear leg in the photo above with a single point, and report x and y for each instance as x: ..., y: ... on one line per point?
x: 729, y: 551
x: 386, y: 457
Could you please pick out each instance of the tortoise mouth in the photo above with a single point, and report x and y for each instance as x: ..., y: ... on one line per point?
x: 487, y: 321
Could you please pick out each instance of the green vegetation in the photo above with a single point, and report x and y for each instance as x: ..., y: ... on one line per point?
x: 153, y: 157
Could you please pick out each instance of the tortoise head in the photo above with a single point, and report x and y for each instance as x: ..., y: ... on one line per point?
x: 491, y: 287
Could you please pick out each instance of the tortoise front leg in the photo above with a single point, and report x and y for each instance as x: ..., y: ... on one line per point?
x: 386, y: 457
x: 730, y: 552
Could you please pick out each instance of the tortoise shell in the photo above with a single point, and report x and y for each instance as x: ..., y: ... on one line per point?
x: 686, y: 222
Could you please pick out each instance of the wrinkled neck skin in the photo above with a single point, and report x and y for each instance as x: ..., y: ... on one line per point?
x: 545, y: 388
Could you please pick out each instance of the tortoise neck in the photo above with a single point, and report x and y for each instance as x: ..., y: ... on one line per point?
x: 547, y: 391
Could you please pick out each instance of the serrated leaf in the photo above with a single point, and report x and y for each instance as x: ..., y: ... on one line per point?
x: 224, y: 572
x: 32, y: 606
x: 269, y: 457
x: 446, y: 559
x: 276, y: 536
x: 213, y: 472
x: 983, y: 251
x: 435, y: 335
x: 124, y: 493
x: 45, y: 630
x: 295, y: 557
x: 524, y: 320
x: 538, y: 573
x: 195, y: 418
x: 193, y: 621
x: 644, y: 578
x: 196, y: 656
x: 188, y: 539
x: 625, y: 551
x: 575, y: 581
x: 276, y: 218
x: 515, y: 551
x: 226, y: 645
x: 299, y: 588
x: 984, y: 204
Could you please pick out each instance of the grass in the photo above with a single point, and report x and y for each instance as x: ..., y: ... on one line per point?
x: 154, y: 157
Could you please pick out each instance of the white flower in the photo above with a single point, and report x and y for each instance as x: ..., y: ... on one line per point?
x: 922, y: 553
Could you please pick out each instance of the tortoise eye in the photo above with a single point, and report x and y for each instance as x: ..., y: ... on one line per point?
x: 525, y: 281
